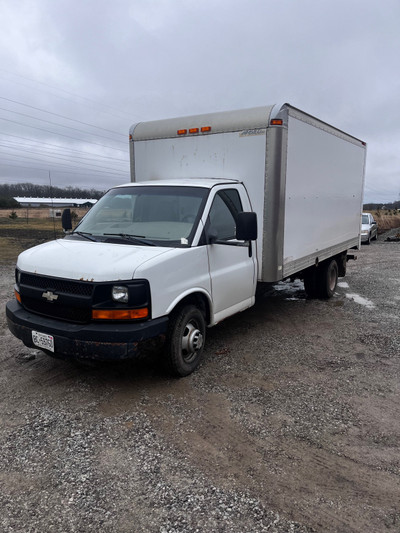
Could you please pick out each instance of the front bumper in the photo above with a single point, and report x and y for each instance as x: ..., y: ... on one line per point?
x: 101, y: 341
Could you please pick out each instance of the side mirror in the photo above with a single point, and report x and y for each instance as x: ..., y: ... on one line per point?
x: 246, y: 226
x: 66, y: 220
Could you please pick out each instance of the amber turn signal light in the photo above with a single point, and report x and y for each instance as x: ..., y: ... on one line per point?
x: 119, y: 314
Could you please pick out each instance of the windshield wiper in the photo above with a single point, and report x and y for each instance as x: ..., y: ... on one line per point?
x: 85, y: 234
x: 132, y: 238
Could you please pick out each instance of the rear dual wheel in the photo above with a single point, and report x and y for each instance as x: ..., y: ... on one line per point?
x: 321, y: 281
x: 328, y: 278
x: 310, y: 283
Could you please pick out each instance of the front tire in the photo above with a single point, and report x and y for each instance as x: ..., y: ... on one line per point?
x: 185, y: 340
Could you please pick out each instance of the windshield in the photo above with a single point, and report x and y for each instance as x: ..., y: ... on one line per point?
x: 365, y: 219
x: 155, y: 215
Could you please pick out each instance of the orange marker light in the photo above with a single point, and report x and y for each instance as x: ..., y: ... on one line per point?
x: 276, y: 122
x: 194, y: 130
x: 17, y: 296
x: 181, y: 132
x: 205, y: 129
x: 119, y: 314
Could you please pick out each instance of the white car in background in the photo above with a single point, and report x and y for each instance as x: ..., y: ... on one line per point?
x: 369, y: 228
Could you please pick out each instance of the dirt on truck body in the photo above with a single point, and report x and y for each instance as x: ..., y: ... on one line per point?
x: 292, y: 423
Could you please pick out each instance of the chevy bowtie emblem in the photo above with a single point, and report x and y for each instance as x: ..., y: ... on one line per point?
x: 50, y: 296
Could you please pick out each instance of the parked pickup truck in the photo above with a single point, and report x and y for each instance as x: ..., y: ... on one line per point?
x: 217, y: 204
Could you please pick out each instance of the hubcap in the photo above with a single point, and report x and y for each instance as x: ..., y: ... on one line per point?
x: 192, y: 341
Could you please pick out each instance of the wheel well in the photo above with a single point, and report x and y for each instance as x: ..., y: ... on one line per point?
x: 199, y: 300
x: 341, y: 260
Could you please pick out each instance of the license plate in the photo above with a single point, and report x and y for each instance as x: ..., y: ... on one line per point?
x: 42, y: 340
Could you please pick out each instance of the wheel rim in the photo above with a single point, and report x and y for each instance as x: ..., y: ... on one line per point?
x: 192, y: 341
x: 332, y: 279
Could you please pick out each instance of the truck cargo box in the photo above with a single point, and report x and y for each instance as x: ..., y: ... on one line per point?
x: 304, y: 177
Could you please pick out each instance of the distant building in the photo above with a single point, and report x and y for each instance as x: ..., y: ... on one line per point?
x: 55, y: 202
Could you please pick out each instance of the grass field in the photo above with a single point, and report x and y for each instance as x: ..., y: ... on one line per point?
x: 386, y: 221
x: 18, y: 235
x: 21, y: 223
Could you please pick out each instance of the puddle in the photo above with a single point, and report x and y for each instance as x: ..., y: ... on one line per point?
x: 360, y: 300
x: 291, y: 289
x: 356, y: 297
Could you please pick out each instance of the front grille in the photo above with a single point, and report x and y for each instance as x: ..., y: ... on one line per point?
x: 62, y: 312
x: 73, y: 303
x: 78, y: 288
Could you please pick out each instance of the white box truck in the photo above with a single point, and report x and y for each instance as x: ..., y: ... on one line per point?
x: 218, y: 203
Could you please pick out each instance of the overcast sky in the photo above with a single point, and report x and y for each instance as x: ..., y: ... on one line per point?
x: 75, y: 74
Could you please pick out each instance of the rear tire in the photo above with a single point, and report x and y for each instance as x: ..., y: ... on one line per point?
x: 185, y: 340
x: 327, y: 278
x: 310, y: 283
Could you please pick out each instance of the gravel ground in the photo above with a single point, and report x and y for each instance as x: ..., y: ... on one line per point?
x: 292, y: 424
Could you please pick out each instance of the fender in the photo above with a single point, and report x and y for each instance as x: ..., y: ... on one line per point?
x: 192, y: 292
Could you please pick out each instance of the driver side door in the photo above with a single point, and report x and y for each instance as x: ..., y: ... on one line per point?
x: 232, y: 266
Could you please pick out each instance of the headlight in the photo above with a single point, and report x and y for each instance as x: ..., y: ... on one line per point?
x: 18, y: 276
x: 120, y: 294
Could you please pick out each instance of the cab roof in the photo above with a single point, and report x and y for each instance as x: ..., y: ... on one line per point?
x: 207, y: 183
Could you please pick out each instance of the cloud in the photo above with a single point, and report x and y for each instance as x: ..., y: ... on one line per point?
x: 111, y: 64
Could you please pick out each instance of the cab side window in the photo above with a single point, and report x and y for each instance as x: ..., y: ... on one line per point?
x: 223, y: 214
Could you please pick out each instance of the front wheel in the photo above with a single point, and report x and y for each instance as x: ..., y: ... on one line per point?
x: 185, y: 340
